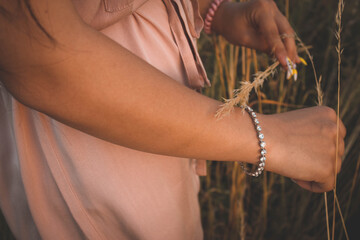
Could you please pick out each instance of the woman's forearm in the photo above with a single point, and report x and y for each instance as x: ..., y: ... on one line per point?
x: 111, y: 94
x: 93, y: 84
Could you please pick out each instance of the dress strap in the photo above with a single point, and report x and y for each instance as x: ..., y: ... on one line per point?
x: 185, y: 31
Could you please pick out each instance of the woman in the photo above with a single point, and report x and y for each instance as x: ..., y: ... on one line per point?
x: 100, y: 127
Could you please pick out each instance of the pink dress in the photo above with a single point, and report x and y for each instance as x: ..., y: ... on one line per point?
x: 59, y: 183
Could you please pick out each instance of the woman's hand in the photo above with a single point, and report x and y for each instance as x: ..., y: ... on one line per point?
x: 257, y: 24
x: 301, y: 145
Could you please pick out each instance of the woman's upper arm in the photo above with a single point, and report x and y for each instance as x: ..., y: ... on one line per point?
x: 34, y: 39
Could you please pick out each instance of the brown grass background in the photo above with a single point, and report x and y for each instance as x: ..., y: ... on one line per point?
x: 235, y: 206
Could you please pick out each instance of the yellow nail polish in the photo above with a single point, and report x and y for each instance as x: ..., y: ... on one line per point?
x: 295, y: 75
x: 288, y: 75
x: 303, y: 61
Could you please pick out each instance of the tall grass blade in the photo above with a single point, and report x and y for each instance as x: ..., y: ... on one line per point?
x: 338, y: 20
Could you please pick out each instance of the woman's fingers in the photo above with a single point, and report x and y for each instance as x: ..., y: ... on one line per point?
x: 314, y: 186
x: 269, y: 30
x: 342, y: 129
x: 287, y: 35
x: 258, y: 24
x: 278, y: 33
x: 341, y: 149
x: 303, y: 146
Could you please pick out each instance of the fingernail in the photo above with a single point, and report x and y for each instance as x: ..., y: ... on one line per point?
x: 288, y: 74
x: 303, y: 61
x: 291, y: 69
x: 289, y: 63
x: 295, y: 75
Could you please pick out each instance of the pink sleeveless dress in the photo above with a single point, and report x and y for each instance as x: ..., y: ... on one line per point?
x: 59, y: 183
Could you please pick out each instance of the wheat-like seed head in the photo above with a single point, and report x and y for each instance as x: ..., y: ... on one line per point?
x: 241, y: 95
x: 320, y: 93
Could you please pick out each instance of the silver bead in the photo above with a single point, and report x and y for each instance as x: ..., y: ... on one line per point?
x: 261, y: 136
x: 262, y: 144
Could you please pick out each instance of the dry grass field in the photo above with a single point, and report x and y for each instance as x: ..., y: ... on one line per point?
x: 235, y: 206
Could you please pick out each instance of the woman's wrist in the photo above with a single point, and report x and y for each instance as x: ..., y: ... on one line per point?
x: 262, y: 145
x: 271, y: 128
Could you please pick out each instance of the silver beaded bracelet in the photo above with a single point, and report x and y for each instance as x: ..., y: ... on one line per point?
x: 262, y: 145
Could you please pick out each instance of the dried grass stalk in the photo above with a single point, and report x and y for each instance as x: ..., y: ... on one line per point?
x: 320, y: 93
x: 338, y: 20
x: 241, y: 95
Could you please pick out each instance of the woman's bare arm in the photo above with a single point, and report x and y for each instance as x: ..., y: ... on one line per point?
x: 91, y: 83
